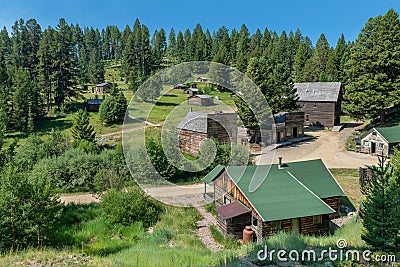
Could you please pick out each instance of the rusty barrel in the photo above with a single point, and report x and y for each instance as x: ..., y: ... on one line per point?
x: 247, y: 235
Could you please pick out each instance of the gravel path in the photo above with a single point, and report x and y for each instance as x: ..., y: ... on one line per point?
x: 328, y: 146
x: 203, y: 230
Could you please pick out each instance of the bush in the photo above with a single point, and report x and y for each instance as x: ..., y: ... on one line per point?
x: 29, y: 211
x: 127, y: 207
x: 113, y: 108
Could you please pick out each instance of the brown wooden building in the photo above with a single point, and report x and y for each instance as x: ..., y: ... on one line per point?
x: 296, y: 196
x: 191, y: 91
x: 93, y: 105
x: 197, y: 127
x: 320, y: 102
x: 288, y: 125
x: 101, y: 88
x: 201, y: 100
x: 381, y: 140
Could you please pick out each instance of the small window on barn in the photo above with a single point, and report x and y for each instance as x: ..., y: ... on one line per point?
x: 307, y: 117
x: 315, y: 104
x: 227, y: 201
x: 373, y: 133
x: 366, y: 143
x: 381, y: 145
x: 276, y: 225
x: 317, y: 219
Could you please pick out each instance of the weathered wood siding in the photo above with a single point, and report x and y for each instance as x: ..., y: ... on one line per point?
x: 373, y: 137
x: 286, y: 226
x: 197, y: 101
x: 334, y: 203
x: 307, y: 225
x: 292, y: 127
x: 326, y: 114
x: 234, y: 226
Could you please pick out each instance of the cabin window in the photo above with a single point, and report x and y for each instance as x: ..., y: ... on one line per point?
x: 315, y: 104
x: 276, y: 225
x: 366, y: 143
x: 381, y: 145
x: 374, y: 133
x: 317, y: 219
x: 307, y: 118
x: 227, y: 201
x: 254, y: 220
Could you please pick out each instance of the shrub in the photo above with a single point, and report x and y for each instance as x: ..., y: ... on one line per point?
x: 29, y: 211
x: 127, y: 207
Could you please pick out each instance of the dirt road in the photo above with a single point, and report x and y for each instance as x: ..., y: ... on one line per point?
x: 328, y: 146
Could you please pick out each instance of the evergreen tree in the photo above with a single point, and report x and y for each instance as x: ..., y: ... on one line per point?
x: 303, y: 54
x: 81, y: 129
x: 3, y: 125
x: 381, y: 206
x: 374, y: 68
x: 95, y: 68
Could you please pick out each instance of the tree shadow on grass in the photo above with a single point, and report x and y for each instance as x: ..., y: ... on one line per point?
x: 56, y: 123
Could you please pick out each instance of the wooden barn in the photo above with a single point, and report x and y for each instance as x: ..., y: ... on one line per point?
x: 288, y: 125
x: 296, y: 196
x: 191, y: 91
x: 101, y: 88
x: 381, y: 140
x: 201, y: 100
x: 93, y: 105
x: 197, y: 127
x: 320, y: 102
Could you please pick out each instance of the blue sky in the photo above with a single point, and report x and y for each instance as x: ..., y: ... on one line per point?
x: 312, y: 17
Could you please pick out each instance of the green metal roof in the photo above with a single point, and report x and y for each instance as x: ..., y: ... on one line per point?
x: 316, y: 177
x: 391, y: 134
x: 213, y: 174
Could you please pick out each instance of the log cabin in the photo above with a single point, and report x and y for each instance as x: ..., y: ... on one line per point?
x: 381, y: 140
x: 288, y: 125
x: 196, y: 127
x: 297, y: 196
x: 191, y: 91
x: 320, y: 102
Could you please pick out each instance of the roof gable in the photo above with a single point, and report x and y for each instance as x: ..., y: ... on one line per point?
x: 318, y: 91
x: 194, y: 121
x: 391, y: 134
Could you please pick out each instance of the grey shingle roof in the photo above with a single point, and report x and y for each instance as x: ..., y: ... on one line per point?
x: 194, y: 121
x: 318, y: 91
x: 203, y: 96
x: 103, y: 84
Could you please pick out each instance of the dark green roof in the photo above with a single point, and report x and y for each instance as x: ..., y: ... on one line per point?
x: 292, y: 192
x: 391, y: 134
x: 213, y: 174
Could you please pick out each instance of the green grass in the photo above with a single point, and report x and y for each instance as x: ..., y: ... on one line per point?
x: 349, y: 181
x: 227, y: 242
x: 351, y: 232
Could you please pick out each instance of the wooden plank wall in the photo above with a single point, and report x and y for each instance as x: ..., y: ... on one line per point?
x: 334, y: 203
x: 307, y: 225
x: 324, y: 114
x: 190, y: 141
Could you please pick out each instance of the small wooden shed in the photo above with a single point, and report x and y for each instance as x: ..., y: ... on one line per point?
x: 381, y: 140
x: 191, y: 91
x: 288, y: 125
x: 202, y: 79
x: 101, y: 88
x: 180, y: 86
x: 201, y: 100
x: 93, y: 105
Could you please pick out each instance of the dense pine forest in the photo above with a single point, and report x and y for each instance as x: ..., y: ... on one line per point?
x: 42, y: 68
